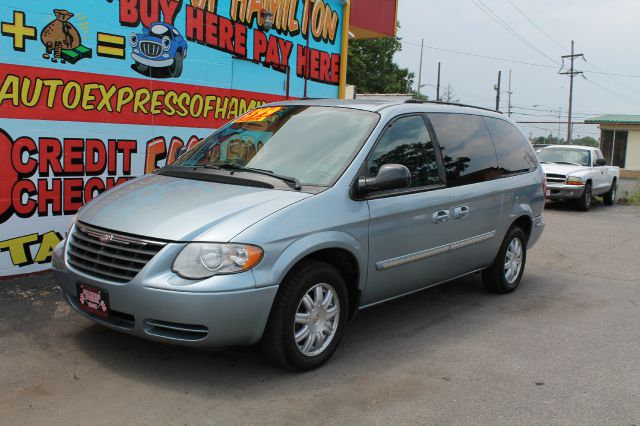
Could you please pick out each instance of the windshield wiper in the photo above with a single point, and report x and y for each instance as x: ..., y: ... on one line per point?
x: 233, y: 166
x: 568, y: 162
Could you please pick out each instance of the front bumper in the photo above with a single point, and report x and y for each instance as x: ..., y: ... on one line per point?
x: 153, y: 63
x: 208, y: 315
x: 560, y: 191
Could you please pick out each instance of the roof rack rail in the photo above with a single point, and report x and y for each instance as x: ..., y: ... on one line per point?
x: 420, y: 101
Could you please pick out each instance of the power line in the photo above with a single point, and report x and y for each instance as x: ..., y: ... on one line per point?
x: 611, y: 92
x: 494, y: 58
x: 513, y: 61
x: 536, y: 26
x: 491, y: 14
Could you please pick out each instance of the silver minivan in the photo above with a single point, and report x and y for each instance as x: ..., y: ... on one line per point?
x: 281, y: 225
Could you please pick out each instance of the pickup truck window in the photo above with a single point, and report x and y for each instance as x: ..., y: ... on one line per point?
x: 579, y: 157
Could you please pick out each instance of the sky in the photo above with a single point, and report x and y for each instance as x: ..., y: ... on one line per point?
x: 538, y: 32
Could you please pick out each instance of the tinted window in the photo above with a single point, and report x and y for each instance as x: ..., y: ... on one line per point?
x: 513, y: 149
x: 407, y: 142
x: 467, y: 150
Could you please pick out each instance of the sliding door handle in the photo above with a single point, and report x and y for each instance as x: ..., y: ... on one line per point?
x: 461, y: 212
x: 441, y: 216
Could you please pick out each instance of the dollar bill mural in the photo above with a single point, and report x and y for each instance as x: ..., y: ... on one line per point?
x: 95, y: 93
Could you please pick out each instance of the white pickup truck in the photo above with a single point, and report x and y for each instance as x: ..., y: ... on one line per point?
x: 578, y: 173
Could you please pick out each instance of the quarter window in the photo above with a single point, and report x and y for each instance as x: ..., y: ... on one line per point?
x: 467, y: 151
x: 407, y: 142
x: 514, y: 151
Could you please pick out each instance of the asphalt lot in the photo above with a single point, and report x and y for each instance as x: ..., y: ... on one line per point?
x: 563, y: 349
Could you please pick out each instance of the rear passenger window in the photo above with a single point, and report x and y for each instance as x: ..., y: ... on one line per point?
x: 407, y: 142
x: 514, y: 151
x: 467, y: 150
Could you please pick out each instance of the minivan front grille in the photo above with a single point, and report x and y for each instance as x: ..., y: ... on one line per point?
x: 553, y: 178
x: 107, y: 255
x: 150, y: 48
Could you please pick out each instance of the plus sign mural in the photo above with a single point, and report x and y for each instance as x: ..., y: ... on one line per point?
x: 95, y: 93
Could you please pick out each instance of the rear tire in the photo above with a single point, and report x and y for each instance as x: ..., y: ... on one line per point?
x: 584, y: 202
x: 506, y: 272
x: 308, y: 317
x: 610, y: 197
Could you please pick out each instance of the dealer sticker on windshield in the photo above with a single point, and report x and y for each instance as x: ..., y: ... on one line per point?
x: 258, y: 114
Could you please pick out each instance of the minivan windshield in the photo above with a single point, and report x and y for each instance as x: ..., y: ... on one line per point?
x: 579, y: 157
x: 313, y: 144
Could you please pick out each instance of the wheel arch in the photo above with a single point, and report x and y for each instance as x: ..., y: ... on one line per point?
x: 337, y: 249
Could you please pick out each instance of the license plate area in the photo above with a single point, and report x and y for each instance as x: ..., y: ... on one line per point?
x: 93, y: 300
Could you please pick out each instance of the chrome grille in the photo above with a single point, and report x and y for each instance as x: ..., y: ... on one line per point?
x: 553, y: 178
x: 108, y: 255
x: 150, y: 48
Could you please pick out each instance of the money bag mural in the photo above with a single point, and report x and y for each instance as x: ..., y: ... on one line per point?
x: 62, y: 39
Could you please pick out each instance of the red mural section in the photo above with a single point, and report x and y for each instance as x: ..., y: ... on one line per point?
x: 44, y: 93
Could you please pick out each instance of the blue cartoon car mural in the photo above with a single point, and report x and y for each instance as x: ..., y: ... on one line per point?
x: 161, y: 46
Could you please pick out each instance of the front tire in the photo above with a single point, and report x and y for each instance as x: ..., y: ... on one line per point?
x: 584, y: 202
x: 610, y: 197
x: 175, y: 69
x: 506, y: 272
x: 308, y: 317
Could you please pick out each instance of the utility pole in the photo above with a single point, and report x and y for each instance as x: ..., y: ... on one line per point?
x: 559, y: 121
x: 497, y: 87
x: 571, y: 73
x: 438, y: 85
x: 420, y: 70
x: 509, y: 92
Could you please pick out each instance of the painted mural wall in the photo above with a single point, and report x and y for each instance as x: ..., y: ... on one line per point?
x: 98, y: 92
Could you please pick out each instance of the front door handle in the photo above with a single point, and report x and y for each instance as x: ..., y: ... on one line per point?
x: 461, y: 212
x: 442, y: 216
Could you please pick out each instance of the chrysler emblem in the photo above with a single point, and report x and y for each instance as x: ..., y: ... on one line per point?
x: 105, y: 238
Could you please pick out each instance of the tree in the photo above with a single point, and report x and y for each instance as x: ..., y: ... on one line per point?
x: 372, y: 70
x: 586, y: 141
x: 449, y: 95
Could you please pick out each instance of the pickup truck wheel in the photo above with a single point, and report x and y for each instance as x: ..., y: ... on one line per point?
x: 584, y: 202
x: 610, y: 197
x: 506, y: 272
x: 308, y: 317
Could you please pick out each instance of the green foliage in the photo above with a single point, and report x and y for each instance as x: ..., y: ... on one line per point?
x: 372, y: 70
x: 634, y: 198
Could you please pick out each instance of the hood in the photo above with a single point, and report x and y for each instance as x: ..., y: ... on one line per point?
x: 563, y: 169
x: 177, y: 209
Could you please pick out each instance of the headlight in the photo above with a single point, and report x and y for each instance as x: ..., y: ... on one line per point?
x: 572, y: 180
x: 166, y: 43
x: 203, y: 260
x: 133, y: 39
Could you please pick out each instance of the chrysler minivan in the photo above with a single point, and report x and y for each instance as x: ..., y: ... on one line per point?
x: 280, y: 226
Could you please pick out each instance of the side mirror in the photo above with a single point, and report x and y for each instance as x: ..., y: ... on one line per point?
x: 390, y: 176
x: 601, y: 162
x: 180, y: 152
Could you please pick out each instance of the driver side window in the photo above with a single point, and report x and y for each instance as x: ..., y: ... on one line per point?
x: 407, y: 142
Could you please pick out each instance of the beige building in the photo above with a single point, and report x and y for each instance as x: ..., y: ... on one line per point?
x: 620, y: 141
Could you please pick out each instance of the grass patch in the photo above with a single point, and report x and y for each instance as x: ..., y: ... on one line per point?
x: 632, y: 197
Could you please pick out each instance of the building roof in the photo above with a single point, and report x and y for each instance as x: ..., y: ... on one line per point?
x: 614, y: 119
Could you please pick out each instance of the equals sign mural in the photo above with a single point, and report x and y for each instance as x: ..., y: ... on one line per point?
x: 111, y: 46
